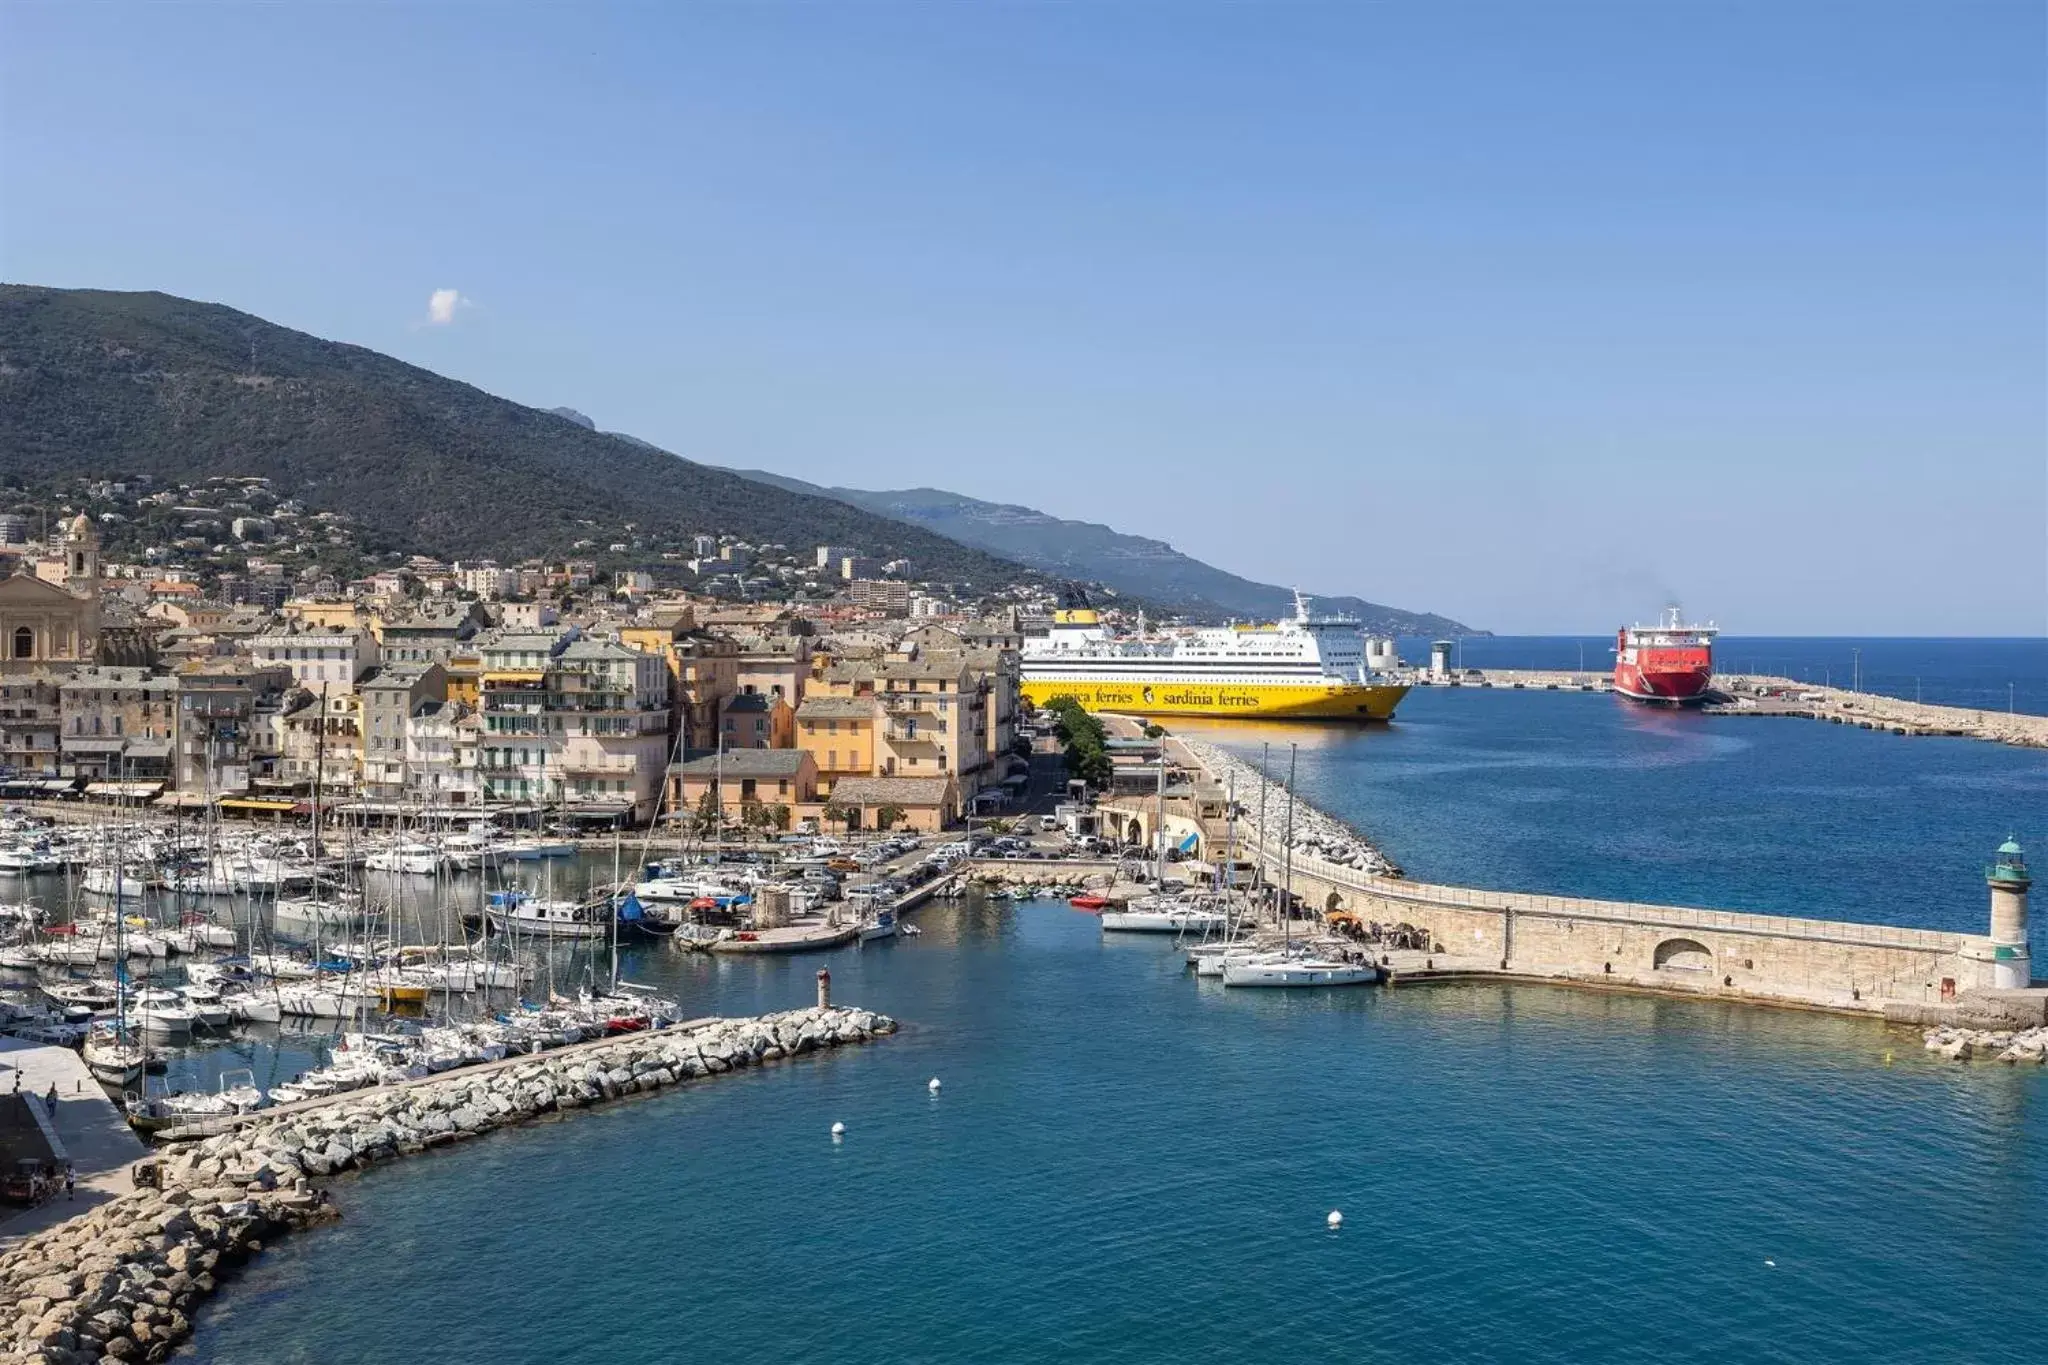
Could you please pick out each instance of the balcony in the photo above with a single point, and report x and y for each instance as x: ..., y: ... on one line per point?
x: 902, y: 736
x: 599, y: 767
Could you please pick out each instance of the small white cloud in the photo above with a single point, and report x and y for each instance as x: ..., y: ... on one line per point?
x: 441, y: 306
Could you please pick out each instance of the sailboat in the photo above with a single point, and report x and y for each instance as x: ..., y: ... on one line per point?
x: 1289, y: 966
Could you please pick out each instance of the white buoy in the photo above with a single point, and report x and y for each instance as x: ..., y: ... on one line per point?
x: 933, y: 1085
x: 838, y: 1130
x: 1336, y: 1220
x: 1772, y: 1264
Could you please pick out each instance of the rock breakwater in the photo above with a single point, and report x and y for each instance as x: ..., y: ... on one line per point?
x: 1316, y: 833
x: 2024, y: 1046
x: 121, y: 1282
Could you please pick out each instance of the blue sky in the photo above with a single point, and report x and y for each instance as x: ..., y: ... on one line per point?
x: 1533, y: 314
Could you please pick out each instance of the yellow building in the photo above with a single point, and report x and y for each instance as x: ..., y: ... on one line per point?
x: 839, y: 734
x: 327, y: 614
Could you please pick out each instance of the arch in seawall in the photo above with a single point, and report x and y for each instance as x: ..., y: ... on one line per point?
x: 1683, y: 955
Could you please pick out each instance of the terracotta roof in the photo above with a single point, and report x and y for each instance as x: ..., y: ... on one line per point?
x: 891, y: 791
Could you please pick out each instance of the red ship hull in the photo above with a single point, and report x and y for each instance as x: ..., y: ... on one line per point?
x: 1664, y: 684
x: 1665, y: 665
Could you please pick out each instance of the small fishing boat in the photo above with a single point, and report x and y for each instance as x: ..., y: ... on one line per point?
x: 1090, y: 901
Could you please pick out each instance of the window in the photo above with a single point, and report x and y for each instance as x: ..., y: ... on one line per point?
x: 24, y: 643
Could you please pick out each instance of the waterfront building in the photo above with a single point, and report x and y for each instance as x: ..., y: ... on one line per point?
x: 118, y: 724
x: 217, y: 743
x: 391, y: 698
x: 440, y: 756
x: 31, y: 720
x: 743, y: 778
x: 921, y: 803
x: 839, y: 734
x: 573, y: 722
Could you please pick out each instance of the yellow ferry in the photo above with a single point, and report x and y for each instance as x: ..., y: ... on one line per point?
x: 1305, y: 668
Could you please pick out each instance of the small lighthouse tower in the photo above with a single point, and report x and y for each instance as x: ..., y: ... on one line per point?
x: 2011, y: 965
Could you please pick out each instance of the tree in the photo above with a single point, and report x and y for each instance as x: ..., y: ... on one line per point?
x: 779, y: 817
x: 754, y: 815
x: 889, y: 815
x: 836, y: 814
x: 707, y: 811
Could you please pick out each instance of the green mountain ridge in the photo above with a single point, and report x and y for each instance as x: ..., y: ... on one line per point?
x: 1138, y: 566
x: 94, y: 383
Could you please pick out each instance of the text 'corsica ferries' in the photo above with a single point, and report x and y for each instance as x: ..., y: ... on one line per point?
x: 1306, y: 668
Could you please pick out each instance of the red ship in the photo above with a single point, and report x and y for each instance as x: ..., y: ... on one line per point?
x: 1670, y: 663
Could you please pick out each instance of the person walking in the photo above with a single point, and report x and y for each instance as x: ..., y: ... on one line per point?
x: 51, y: 1100
x: 70, y: 1181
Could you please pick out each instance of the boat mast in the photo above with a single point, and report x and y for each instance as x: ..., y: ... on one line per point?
x: 612, y: 902
x: 1287, y: 891
x: 1265, y: 766
x: 1159, y: 824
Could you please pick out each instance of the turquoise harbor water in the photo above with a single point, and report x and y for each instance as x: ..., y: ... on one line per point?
x: 1128, y: 1166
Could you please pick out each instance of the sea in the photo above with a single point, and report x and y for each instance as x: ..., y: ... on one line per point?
x: 1125, y: 1164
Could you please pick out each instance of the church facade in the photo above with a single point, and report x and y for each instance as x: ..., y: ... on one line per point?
x: 50, y: 618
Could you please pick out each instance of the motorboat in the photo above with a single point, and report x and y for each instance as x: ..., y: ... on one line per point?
x: 162, y: 1013
x: 206, y: 1005
x: 416, y: 859
x: 515, y: 912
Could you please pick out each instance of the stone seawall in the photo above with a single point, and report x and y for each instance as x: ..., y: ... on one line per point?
x: 1821, y: 964
x: 1929, y: 975
x: 120, y: 1282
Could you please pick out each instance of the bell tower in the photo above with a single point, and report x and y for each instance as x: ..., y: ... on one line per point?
x: 82, y: 556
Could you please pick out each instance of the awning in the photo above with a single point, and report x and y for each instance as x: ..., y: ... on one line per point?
x: 77, y: 744
x: 124, y: 791
x: 182, y: 800
x: 61, y: 786
x: 598, y: 810
x: 261, y: 804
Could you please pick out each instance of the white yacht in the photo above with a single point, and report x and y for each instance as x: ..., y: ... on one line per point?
x: 1165, y: 915
x: 1294, y: 969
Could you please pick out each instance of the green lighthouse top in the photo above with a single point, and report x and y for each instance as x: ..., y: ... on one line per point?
x: 2011, y: 867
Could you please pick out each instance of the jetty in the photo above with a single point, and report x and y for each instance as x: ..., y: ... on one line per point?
x: 1764, y: 695
x: 121, y: 1280
x: 1900, y: 974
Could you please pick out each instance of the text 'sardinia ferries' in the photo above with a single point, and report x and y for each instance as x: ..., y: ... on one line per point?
x: 1306, y: 668
x: 1670, y: 663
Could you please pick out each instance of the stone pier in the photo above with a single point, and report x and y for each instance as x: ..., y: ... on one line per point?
x: 1919, y: 975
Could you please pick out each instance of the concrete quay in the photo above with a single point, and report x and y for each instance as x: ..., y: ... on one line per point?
x: 88, y: 1131
x: 1762, y: 695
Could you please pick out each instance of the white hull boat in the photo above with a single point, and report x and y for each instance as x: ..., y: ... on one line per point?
x: 1276, y: 971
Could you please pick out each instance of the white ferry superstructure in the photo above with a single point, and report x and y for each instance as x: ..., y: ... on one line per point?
x: 1304, y: 668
